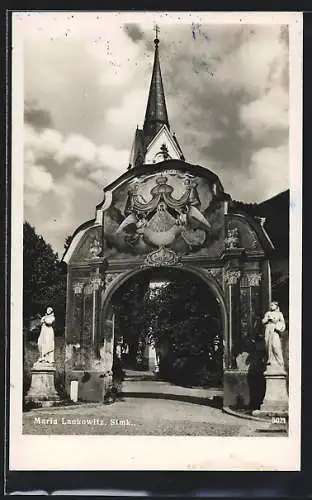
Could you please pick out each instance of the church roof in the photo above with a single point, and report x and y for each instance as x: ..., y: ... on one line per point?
x: 156, y: 111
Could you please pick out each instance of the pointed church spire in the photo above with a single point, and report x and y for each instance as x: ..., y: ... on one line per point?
x: 156, y: 111
x: 155, y: 142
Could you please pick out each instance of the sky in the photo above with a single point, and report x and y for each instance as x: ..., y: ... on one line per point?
x: 86, y: 83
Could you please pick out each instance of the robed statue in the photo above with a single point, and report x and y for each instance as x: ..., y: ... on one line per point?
x: 46, y: 337
x: 274, y: 326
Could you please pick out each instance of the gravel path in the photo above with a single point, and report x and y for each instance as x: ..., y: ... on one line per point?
x: 140, y: 416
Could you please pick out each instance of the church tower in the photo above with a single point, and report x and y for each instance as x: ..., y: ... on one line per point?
x: 155, y: 142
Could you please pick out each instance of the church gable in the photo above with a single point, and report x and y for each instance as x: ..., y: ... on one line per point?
x: 162, y: 147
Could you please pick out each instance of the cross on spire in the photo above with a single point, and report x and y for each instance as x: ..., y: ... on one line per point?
x: 156, y: 28
x: 156, y: 111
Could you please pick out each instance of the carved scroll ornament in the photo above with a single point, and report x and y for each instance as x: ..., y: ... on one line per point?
x: 231, y: 277
x: 78, y: 288
x: 254, y: 278
x: 251, y: 278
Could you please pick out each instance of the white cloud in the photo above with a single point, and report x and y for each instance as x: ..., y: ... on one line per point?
x: 38, y: 178
x: 255, y: 64
x: 58, y: 200
x: 98, y: 176
x: 266, y: 175
x: 130, y: 112
x: 267, y: 113
x: 113, y: 158
x: 76, y: 146
x: 47, y: 140
x: 270, y: 170
x: 63, y: 209
x: 37, y: 182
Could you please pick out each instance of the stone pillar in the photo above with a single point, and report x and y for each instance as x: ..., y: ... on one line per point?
x: 231, y: 279
x: 96, y: 283
x: 236, y: 390
x: 74, y: 338
x: 42, y: 389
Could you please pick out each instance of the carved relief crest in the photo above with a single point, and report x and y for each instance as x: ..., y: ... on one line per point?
x: 162, y: 257
x: 163, y: 218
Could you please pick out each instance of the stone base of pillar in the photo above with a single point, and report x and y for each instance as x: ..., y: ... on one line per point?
x: 42, y: 389
x: 275, y: 402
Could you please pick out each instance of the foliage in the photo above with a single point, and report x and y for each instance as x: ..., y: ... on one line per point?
x: 252, y: 209
x: 44, y: 280
x: 182, y: 319
x: 129, y: 305
x: 68, y: 241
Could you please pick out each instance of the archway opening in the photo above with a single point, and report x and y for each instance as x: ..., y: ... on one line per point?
x: 168, y: 325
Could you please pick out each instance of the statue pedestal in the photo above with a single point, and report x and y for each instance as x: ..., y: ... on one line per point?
x: 275, y: 402
x: 42, y: 389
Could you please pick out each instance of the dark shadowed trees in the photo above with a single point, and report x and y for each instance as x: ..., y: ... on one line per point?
x: 44, y: 280
x: 182, y: 318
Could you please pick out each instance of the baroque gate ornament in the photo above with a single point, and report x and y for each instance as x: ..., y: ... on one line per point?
x: 215, y: 272
x: 94, y: 249
x: 232, y: 238
x: 231, y: 277
x: 161, y: 257
x: 109, y: 277
x: 159, y: 221
x: 254, y: 278
x: 78, y: 287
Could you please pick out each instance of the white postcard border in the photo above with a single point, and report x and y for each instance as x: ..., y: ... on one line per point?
x: 28, y: 452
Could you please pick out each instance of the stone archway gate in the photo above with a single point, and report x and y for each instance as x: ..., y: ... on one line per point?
x: 168, y: 214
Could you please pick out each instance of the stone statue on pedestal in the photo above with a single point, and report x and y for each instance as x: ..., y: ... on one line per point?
x: 276, y: 396
x: 46, y: 338
x: 274, y: 326
x: 42, y: 389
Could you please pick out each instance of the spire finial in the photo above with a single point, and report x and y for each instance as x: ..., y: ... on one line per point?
x: 156, y: 28
x: 156, y: 111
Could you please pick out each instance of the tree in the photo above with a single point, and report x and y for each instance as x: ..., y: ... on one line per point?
x: 130, y: 312
x: 44, y: 279
x: 180, y: 316
x: 68, y: 241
